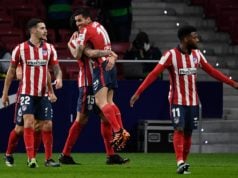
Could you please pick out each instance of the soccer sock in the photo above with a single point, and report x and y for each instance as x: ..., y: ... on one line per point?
x: 178, y: 145
x: 47, y: 138
x: 12, y: 142
x: 110, y: 115
x: 187, y: 146
x: 72, y: 137
x: 106, y: 132
x: 37, y: 141
x: 118, y: 115
x: 29, y: 142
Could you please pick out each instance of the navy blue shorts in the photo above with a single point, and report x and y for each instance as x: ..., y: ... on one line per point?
x: 103, y: 78
x: 40, y: 107
x: 86, y: 101
x: 184, y: 117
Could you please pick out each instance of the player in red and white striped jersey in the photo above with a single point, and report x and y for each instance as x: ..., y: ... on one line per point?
x: 182, y: 63
x: 34, y: 55
x: 104, y: 73
x: 86, y: 105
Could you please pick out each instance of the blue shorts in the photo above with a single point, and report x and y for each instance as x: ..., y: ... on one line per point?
x: 18, y: 117
x: 103, y: 78
x: 40, y: 107
x: 184, y: 117
x: 86, y: 101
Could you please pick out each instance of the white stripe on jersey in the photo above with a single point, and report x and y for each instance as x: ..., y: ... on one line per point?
x: 40, y: 53
x: 22, y: 54
x: 177, y: 85
x: 185, y: 78
x: 32, y: 75
x: 193, y: 81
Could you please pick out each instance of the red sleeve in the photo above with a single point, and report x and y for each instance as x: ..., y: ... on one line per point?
x: 152, y: 76
x: 216, y: 73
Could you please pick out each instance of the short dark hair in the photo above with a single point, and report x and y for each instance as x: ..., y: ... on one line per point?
x: 185, y: 31
x: 33, y: 22
x: 82, y: 11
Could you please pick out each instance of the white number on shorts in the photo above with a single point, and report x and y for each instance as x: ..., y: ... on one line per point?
x: 90, y: 99
x: 25, y: 100
x: 176, y: 112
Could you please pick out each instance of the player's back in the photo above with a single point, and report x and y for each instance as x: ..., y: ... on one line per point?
x: 97, y: 36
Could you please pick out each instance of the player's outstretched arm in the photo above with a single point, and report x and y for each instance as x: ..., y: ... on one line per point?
x: 218, y: 75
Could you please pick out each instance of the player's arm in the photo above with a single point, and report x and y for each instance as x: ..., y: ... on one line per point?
x: 7, y: 83
x: 95, y: 53
x: 217, y: 74
x: 58, y: 76
x: 52, y: 96
x: 72, y: 44
x: 151, y: 77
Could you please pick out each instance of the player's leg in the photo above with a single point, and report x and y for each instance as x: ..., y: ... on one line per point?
x: 45, y: 114
x: 14, y: 136
x: 84, y: 104
x: 101, y: 81
x: 13, y: 139
x: 106, y: 132
x: 73, y: 135
x: 178, y: 119
x: 37, y: 135
x: 125, y: 134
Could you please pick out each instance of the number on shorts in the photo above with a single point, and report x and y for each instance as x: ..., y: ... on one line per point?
x: 176, y: 112
x: 90, y: 99
x: 25, y: 100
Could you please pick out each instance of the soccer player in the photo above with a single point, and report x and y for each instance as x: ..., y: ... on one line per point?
x: 17, y: 131
x: 85, y: 105
x: 35, y: 55
x: 104, y: 73
x: 182, y: 63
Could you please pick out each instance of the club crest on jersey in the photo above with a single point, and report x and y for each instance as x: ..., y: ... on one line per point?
x: 39, y: 62
x: 44, y: 52
x: 195, y: 59
x: 187, y: 71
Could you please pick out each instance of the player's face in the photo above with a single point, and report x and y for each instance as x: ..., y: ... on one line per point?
x: 41, y: 31
x: 81, y: 21
x: 192, y: 41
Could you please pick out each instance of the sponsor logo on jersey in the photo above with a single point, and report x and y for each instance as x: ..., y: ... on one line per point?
x: 39, y: 62
x: 187, y: 71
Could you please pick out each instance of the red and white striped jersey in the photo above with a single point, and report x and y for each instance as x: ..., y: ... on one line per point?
x: 85, y: 72
x: 34, y: 61
x: 183, y: 75
x: 96, y: 35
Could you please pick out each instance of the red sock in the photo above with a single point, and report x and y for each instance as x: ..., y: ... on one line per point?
x: 118, y: 115
x: 12, y: 142
x: 29, y: 141
x: 178, y: 145
x: 37, y: 142
x: 106, y: 132
x: 187, y: 146
x: 110, y: 115
x: 72, y: 137
x: 47, y: 138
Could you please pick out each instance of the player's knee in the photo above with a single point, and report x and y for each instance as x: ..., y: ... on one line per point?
x: 19, y: 130
x: 180, y: 129
x: 47, y: 125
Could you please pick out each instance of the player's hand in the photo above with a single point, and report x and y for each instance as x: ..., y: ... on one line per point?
x: 52, y: 97
x: 58, y: 83
x: 5, y: 100
x: 133, y: 99
x: 111, y: 61
x: 235, y: 85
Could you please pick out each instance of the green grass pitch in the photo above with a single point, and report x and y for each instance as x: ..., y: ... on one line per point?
x: 151, y: 165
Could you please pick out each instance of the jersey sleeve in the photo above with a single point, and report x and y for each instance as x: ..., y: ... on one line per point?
x: 82, y: 37
x: 53, y: 56
x: 15, y: 59
x: 208, y: 68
